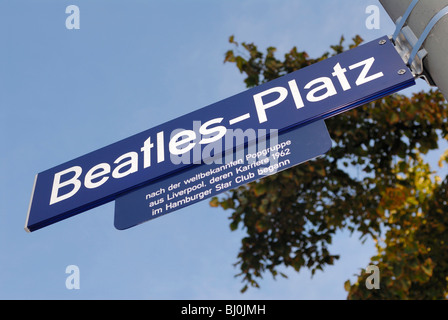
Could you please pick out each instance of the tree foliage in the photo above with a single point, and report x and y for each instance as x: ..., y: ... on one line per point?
x: 375, y: 181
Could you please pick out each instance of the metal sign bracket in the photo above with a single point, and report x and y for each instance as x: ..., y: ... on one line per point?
x: 409, y: 46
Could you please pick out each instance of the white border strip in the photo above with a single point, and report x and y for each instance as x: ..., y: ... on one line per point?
x: 29, y: 207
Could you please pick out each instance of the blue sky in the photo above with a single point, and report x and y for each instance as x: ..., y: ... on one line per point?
x: 133, y: 65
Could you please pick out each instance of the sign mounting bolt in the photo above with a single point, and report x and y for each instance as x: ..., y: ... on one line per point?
x: 382, y: 42
x: 401, y: 71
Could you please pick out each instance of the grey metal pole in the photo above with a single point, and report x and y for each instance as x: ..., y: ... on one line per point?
x: 436, y: 44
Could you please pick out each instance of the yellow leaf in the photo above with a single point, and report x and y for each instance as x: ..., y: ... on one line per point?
x: 214, y: 202
x: 443, y: 158
x: 347, y: 285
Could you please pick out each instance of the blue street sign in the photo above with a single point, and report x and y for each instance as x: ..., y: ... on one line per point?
x: 256, y: 161
x: 314, y: 93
